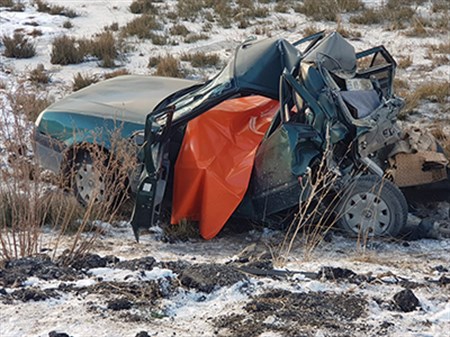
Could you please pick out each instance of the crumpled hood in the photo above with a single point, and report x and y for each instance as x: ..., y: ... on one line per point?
x: 126, y: 98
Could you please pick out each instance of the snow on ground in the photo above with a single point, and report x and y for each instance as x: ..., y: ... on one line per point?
x: 386, y: 267
x: 79, y: 306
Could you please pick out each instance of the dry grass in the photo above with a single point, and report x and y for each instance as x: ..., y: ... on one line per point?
x: 116, y: 73
x: 182, y: 231
x: 442, y: 48
x: 179, y: 29
x: 104, y: 47
x: 39, y: 75
x: 13, y: 6
x: 18, y: 46
x: 396, y: 13
x: 29, y: 201
x: 405, y: 62
x: 418, y: 28
x: 44, y: 7
x: 67, y: 24
x: 328, y: 9
x: 440, y: 6
x: 191, y: 38
x: 143, y: 6
x: 153, y: 61
x: 201, y: 59
x: 29, y: 103
x: 81, y: 81
x: 310, y: 30
x: 35, y: 32
x: 142, y: 27
x: 316, y: 214
x: 159, y: 39
x: 66, y: 50
x: 169, y: 66
x: 114, y: 27
x: 348, y: 34
x: 442, y: 137
x: 432, y: 91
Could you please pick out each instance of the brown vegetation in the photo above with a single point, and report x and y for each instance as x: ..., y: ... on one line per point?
x: 18, y: 46
x: 327, y: 9
x: 201, y: 59
x: 39, y: 75
x: 81, y: 81
x: 44, y: 7
x: 169, y: 66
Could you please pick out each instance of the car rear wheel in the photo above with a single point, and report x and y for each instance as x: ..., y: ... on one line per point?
x: 373, y: 207
x: 87, y: 180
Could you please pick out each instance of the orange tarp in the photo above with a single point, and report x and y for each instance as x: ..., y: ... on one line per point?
x: 215, y: 162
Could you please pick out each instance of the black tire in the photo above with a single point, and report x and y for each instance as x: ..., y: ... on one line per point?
x: 374, y: 207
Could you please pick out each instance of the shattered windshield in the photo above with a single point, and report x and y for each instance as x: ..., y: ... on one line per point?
x: 222, y: 83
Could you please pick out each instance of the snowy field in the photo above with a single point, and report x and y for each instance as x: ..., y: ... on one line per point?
x: 209, y: 288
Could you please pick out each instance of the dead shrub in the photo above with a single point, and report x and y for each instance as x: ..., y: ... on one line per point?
x: 317, y: 212
x: 28, y: 102
x: 159, y: 39
x: 141, y: 27
x: 143, y: 6
x: 369, y: 16
x: 192, y: 38
x: 116, y: 73
x: 405, y: 62
x: 44, y: 7
x: 153, y: 61
x: 327, y: 9
x: 66, y: 50
x: 81, y: 81
x: 18, y: 46
x: 114, y: 27
x: 35, y: 32
x: 432, y: 91
x: 201, y: 59
x: 348, y: 34
x: 28, y: 202
x: 189, y: 9
x: 310, y: 30
x: 440, y: 6
x: 179, y: 29
x: 396, y: 13
x: 39, y: 75
x: 169, y: 66
x: 261, y: 12
x: 400, y: 86
x: 13, y: 6
x: 104, y: 47
x: 418, y: 28
x: 281, y: 6
x: 67, y: 24
x: 182, y: 231
x: 6, y: 3
x: 442, y: 48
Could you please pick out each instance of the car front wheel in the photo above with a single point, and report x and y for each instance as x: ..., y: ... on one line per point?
x: 373, y: 207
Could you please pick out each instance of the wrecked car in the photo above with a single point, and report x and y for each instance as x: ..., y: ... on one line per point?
x: 247, y: 143
x: 67, y: 129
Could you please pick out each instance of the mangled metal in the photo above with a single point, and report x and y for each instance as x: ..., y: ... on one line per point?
x: 329, y: 108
